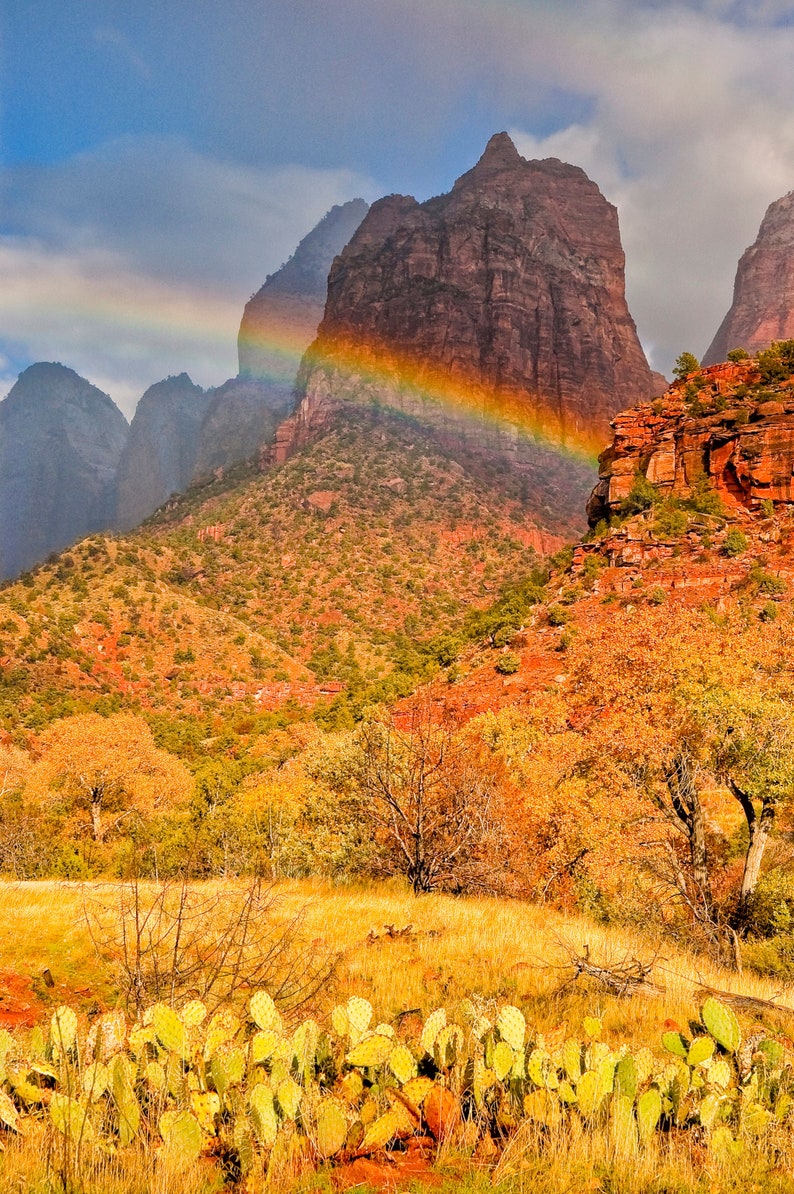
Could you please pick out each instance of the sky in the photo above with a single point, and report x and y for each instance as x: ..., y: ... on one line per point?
x: 159, y: 159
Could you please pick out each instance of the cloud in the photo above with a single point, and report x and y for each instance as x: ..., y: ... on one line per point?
x: 136, y: 261
x: 107, y: 35
x: 691, y: 136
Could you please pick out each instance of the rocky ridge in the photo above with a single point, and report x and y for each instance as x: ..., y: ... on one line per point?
x: 763, y: 295
x: 61, y: 440
x: 160, y: 453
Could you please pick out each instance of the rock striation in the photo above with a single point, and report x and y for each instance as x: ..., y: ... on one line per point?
x: 493, y: 310
x: 732, y: 432
x: 61, y: 440
x: 763, y: 294
x: 160, y: 454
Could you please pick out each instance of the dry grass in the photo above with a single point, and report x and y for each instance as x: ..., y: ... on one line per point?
x: 485, y: 947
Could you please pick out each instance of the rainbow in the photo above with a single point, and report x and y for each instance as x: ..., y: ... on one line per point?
x: 382, y: 376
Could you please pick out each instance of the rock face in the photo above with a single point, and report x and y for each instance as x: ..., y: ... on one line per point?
x: 763, y: 293
x: 742, y: 443
x: 495, y: 309
x: 242, y: 415
x: 278, y: 325
x: 280, y: 321
x: 161, y: 450
x: 61, y: 440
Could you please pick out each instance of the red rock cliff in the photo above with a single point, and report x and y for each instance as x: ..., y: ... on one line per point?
x: 763, y: 293
x: 510, y: 287
x: 741, y: 439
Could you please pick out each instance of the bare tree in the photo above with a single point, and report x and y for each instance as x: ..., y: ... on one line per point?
x: 430, y: 797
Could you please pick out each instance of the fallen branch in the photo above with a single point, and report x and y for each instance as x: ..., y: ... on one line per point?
x: 747, y: 1003
x: 628, y: 977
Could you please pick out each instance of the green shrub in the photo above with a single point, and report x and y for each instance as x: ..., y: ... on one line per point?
x: 738, y: 354
x: 642, y: 495
x: 736, y: 543
x: 769, y: 612
x: 558, y: 615
x: 766, y: 582
x: 507, y: 663
x: 685, y: 364
x: 657, y: 595
x: 670, y: 522
x: 768, y: 508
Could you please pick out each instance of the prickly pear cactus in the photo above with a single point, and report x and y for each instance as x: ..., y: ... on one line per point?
x: 331, y: 1128
x: 721, y: 1022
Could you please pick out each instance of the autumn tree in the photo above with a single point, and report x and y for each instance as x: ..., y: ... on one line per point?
x: 426, y: 797
x: 679, y: 703
x: 96, y: 767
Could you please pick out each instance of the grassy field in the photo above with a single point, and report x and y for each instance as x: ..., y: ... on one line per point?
x: 496, y: 950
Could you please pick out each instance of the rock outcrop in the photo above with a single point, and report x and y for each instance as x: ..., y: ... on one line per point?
x: 492, y: 311
x: 730, y: 432
x: 160, y: 454
x: 280, y: 320
x: 61, y: 440
x: 763, y: 293
x: 278, y: 325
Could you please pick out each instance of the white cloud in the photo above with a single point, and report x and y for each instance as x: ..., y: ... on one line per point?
x: 691, y: 136
x: 136, y: 261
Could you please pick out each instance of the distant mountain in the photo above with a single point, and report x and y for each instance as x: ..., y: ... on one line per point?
x: 161, y: 450
x: 278, y: 325
x: 280, y: 320
x: 61, y: 440
x: 763, y: 293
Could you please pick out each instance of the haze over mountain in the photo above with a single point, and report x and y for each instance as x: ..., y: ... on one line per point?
x: 160, y: 453
x: 495, y: 314
x: 61, y: 440
x: 763, y: 294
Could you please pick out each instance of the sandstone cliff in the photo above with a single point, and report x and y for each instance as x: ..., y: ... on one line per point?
x: 160, y: 453
x: 730, y: 432
x: 763, y: 293
x: 241, y: 416
x: 502, y: 300
x: 61, y: 440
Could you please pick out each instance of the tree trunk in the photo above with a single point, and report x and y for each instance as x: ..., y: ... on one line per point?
x: 97, y: 827
x: 689, y: 811
x: 760, y: 827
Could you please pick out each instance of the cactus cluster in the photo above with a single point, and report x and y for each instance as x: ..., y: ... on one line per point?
x: 254, y: 1091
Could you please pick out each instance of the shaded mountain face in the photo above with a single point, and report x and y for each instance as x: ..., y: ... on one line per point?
x: 241, y: 415
x: 61, y: 440
x: 160, y: 453
x: 280, y: 321
x: 763, y: 293
x: 494, y: 309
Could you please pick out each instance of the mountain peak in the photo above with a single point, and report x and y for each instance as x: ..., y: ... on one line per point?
x: 499, y: 153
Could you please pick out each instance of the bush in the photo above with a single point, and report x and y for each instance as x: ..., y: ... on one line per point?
x: 642, y: 495
x: 685, y: 364
x: 507, y: 663
x: 738, y: 354
x: 657, y: 595
x: 767, y: 582
x: 736, y: 543
x: 557, y: 615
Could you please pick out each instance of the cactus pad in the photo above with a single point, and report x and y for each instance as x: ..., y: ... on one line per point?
x: 263, y: 1115
x: 63, y: 1029
x: 169, y: 1029
x: 402, y: 1064
x: 373, y: 1050
x: 512, y: 1026
x: 649, y: 1110
x: 503, y: 1059
x: 331, y: 1130
x: 432, y: 1027
x: 359, y: 1017
x: 721, y: 1022
x: 264, y: 1012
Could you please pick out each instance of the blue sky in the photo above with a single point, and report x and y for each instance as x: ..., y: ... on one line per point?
x: 158, y: 159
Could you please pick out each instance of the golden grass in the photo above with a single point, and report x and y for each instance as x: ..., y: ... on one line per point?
x: 459, y: 946
x: 487, y: 948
